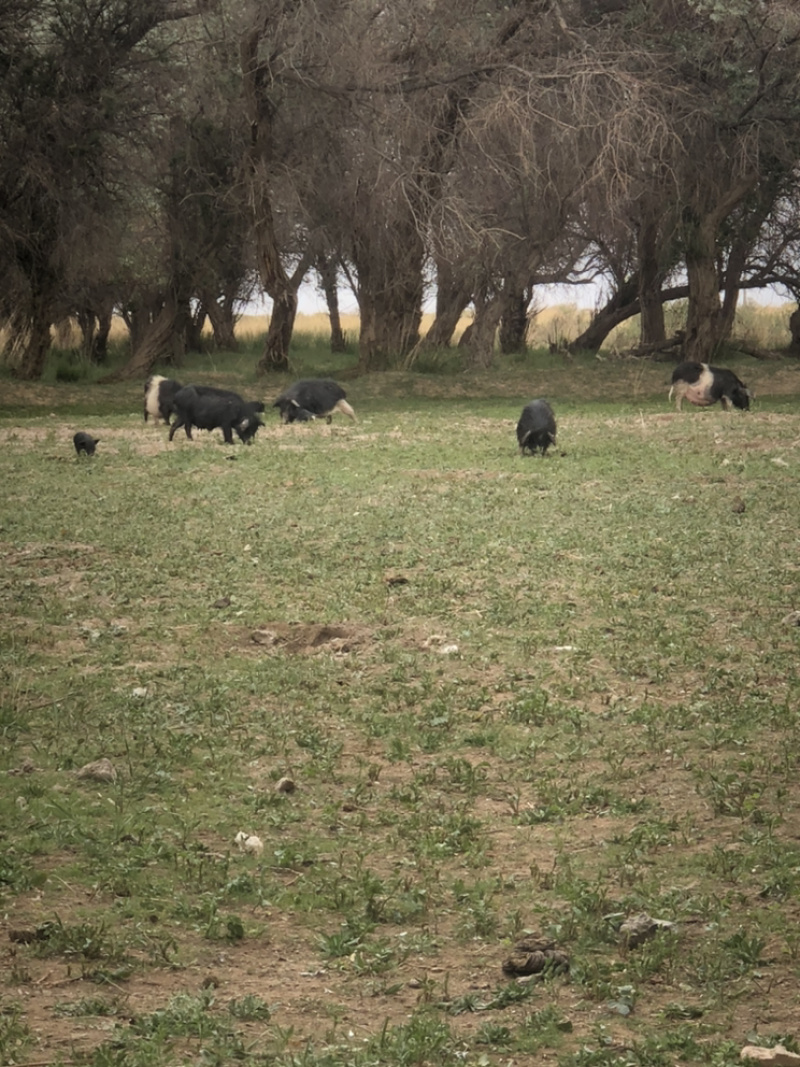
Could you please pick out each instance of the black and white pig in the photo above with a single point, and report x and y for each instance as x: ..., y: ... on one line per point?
x: 208, y: 408
x: 159, y: 397
x: 536, y: 428
x: 84, y: 442
x: 318, y: 397
x: 703, y: 385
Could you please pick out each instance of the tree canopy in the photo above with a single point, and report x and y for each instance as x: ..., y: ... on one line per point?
x: 162, y: 158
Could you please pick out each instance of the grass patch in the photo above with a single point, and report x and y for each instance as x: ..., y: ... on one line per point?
x: 510, y: 695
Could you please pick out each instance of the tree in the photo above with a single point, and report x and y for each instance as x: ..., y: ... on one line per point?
x: 71, y: 95
x: 193, y: 212
x: 732, y: 97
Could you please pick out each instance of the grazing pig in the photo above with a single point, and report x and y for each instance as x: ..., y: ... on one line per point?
x: 536, y: 427
x: 159, y: 397
x: 208, y: 408
x: 315, y: 397
x: 703, y: 385
x: 84, y: 442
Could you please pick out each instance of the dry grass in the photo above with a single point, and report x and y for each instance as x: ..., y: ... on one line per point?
x: 764, y: 325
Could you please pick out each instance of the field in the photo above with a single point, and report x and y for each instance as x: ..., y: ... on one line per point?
x: 462, y: 698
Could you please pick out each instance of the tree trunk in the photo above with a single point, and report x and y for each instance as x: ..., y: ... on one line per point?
x: 328, y: 280
x: 223, y: 322
x: 389, y: 328
x: 25, y: 351
x: 514, y: 323
x: 87, y: 321
x: 453, y: 294
x: 652, y: 329
x: 623, y: 305
x: 388, y: 260
x: 105, y: 315
x: 704, y: 316
x: 193, y: 323
x: 480, y: 346
x: 794, y: 330
x: 705, y: 321
x: 157, y: 342
x: 270, y: 268
x: 448, y: 316
x: 279, y: 334
x: 390, y: 305
x: 139, y: 316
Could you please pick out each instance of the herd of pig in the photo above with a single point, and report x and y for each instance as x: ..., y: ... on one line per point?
x: 207, y: 408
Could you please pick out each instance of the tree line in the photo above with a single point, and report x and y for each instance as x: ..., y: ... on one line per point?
x: 164, y: 160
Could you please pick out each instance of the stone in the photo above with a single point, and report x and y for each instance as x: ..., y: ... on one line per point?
x: 101, y: 770
x: 779, y: 1056
x: 640, y: 928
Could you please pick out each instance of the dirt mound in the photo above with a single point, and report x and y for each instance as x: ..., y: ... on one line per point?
x: 301, y: 638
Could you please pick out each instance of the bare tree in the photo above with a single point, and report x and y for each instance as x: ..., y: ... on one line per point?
x: 726, y: 75
x: 70, y: 97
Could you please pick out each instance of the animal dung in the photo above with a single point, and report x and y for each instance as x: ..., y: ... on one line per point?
x: 84, y: 442
x: 536, y: 429
x: 249, y: 843
x: 534, y: 955
x: 285, y: 785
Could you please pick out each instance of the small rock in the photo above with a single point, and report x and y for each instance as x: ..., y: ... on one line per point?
x: 448, y: 650
x: 778, y: 1055
x: 223, y: 602
x: 792, y: 619
x: 285, y: 785
x: 139, y: 692
x: 101, y: 770
x: 640, y: 928
x: 738, y: 506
